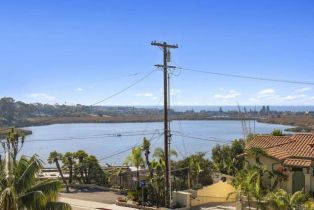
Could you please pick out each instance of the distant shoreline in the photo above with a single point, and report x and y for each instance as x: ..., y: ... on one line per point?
x: 121, y: 119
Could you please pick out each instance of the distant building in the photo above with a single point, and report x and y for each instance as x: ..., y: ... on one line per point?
x: 125, y: 176
x: 52, y: 173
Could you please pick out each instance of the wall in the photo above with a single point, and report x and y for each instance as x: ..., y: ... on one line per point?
x: 182, y: 198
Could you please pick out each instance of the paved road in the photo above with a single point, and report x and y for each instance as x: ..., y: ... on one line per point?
x: 78, y: 204
x: 92, y: 199
x: 96, y: 196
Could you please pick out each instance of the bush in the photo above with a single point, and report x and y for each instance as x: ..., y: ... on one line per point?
x: 309, y: 205
x: 134, y: 195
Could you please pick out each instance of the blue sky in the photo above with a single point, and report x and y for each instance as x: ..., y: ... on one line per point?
x: 79, y: 51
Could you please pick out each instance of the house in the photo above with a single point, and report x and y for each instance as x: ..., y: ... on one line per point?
x: 293, y: 156
x: 125, y: 176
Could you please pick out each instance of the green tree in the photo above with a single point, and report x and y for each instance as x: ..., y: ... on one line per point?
x: 135, y: 159
x: 24, y: 191
x: 87, y: 169
x: 283, y: 200
x: 277, y: 132
x: 7, y: 110
x: 20, y: 187
x: 159, y: 153
x: 54, y: 157
x: 248, y: 182
x: 227, y: 159
x: 197, y: 166
x: 68, y: 163
x: 80, y: 155
x: 146, y: 149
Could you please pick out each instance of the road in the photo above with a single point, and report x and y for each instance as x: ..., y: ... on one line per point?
x: 92, y: 199
x: 78, y: 204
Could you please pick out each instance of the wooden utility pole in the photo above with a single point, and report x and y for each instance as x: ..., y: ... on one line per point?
x: 166, y: 58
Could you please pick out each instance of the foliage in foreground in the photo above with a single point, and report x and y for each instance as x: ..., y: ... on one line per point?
x: 19, y: 185
x: 249, y: 183
x: 283, y: 200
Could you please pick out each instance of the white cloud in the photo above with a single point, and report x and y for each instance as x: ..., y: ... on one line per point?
x: 148, y: 95
x: 42, y: 97
x: 230, y: 94
x: 293, y: 97
x: 302, y: 90
x: 145, y: 94
x: 267, y: 91
x: 79, y: 89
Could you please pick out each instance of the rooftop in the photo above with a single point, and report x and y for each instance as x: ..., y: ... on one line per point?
x: 293, y: 150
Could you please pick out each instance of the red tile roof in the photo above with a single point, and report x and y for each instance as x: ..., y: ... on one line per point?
x: 268, y: 141
x: 297, y: 162
x: 277, y: 153
x: 282, y: 147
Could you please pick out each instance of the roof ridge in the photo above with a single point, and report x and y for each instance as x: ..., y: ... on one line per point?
x: 269, y: 135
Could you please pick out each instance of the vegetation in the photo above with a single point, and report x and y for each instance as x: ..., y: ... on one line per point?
x: 20, y: 188
x: 192, y: 172
x: 277, y: 132
x: 249, y: 183
x: 82, y: 168
x: 282, y: 200
x: 54, y: 157
x: 135, y: 159
x: 226, y: 159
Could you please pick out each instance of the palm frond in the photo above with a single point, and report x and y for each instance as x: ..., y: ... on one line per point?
x: 27, y: 178
x: 8, y: 199
x: 49, y: 188
x: 34, y: 200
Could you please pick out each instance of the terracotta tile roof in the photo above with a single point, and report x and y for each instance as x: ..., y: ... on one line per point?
x: 297, y: 162
x: 281, y: 147
x: 268, y: 141
x: 301, y: 146
x: 277, y: 153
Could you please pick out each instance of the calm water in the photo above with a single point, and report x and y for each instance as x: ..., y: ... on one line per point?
x: 111, y: 141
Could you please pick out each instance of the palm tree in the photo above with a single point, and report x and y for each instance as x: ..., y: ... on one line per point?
x: 54, y: 157
x: 80, y: 155
x: 157, y: 182
x: 194, y: 166
x: 68, y: 163
x: 283, y: 200
x: 135, y: 159
x: 159, y: 153
x: 24, y: 191
x: 248, y: 182
x: 146, y: 149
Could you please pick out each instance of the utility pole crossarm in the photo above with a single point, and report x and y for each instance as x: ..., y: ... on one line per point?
x: 164, y: 44
x: 162, y: 66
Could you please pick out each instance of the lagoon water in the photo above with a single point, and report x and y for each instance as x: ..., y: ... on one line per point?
x: 111, y: 142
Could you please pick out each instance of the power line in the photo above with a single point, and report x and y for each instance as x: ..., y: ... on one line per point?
x: 125, y: 150
x: 98, y: 102
x: 124, y: 89
x: 248, y: 77
x: 202, y: 139
x: 117, y: 135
